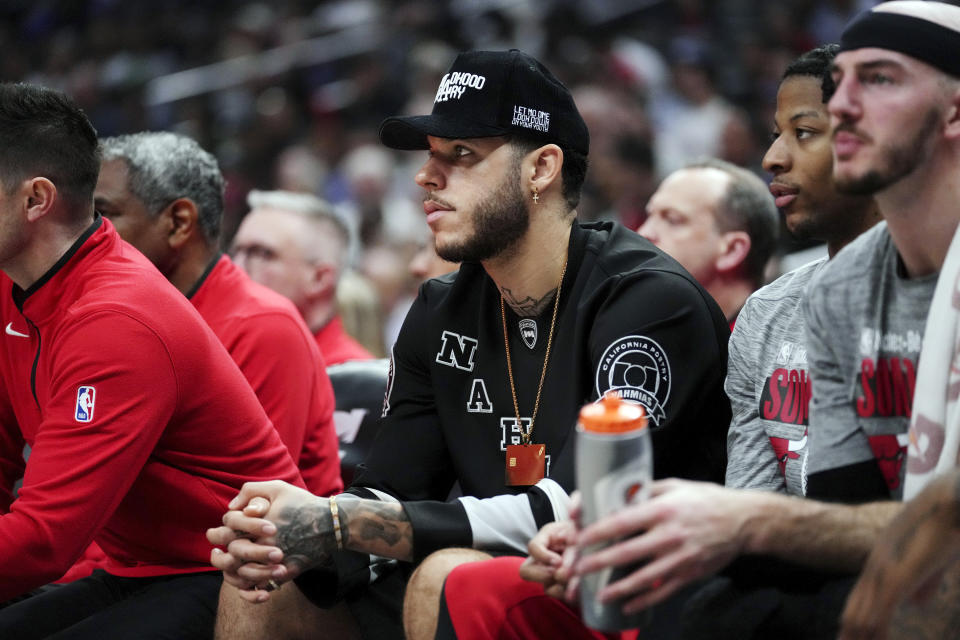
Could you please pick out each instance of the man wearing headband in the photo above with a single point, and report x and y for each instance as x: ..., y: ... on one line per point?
x: 896, y: 132
x: 896, y: 127
x: 492, y: 365
x: 895, y: 116
x: 898, y: 136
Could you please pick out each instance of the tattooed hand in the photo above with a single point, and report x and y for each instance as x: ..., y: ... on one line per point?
x: 273, y: 532
x: 907, y: 566
x: 305, y: 534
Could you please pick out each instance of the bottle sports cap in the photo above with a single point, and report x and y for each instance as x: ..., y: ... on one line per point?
x: 612, y: 415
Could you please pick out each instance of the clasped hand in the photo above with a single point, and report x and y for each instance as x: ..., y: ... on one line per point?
x: 273, y: 532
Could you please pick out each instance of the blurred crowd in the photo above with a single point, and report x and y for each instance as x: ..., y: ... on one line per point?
x: 289, y: 94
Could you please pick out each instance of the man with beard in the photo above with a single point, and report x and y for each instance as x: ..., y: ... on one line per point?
x: 491, y: 367
x: 765, y: 382
x: 865, y: 314
x: 895, y: 136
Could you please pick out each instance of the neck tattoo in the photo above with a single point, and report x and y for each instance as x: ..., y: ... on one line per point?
x: 529, y: 306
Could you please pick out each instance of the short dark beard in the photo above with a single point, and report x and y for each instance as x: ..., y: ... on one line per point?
x: 901, y: 161
x: 499, y: 222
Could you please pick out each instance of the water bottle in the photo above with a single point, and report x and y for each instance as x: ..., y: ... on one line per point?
x: 614, y: 462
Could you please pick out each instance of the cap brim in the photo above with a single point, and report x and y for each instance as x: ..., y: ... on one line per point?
x: 410, y: 132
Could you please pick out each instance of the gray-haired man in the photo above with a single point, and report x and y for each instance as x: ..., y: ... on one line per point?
x: 164, y: 194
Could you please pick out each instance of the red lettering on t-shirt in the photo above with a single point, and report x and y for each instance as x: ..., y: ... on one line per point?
x: 792, y: 408
x: 911, y: 379
x: 785, y: 396
x: 883, y: 386
x: 887, y: 388
x: 805, y: 383
x: 772, y: 407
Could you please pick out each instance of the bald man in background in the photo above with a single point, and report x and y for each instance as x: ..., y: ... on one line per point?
x: 719, y: 221
x: 297, y: 245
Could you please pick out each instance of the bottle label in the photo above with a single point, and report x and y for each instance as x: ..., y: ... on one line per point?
x: 625, y: 485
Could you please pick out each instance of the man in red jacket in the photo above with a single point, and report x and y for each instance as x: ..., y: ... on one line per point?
x: 296, y: 244
x: 140, y: 425
x: 164, y: 195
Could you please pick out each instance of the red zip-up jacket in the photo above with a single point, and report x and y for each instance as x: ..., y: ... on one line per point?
x: 141, y: 426
x: 268, y: 339
x: 337, y: 345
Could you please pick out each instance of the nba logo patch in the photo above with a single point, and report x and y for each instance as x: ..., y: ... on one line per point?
x: 86, y: 396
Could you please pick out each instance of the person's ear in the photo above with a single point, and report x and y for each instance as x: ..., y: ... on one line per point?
x: 39, y: 195
x: 952, y: 127
x: 181, y: 216
x: 544, y: 170
x: 323, y: 280
x: 734, y: 248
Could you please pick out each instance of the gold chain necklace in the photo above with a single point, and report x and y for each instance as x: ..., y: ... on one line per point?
x: 527, y: 435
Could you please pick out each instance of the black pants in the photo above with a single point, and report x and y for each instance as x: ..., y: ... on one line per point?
x: 758, y: 598
x: 377, y: 605
x: 106, y: 607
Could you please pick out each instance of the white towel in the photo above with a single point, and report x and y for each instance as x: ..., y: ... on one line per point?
x: 935, y: 423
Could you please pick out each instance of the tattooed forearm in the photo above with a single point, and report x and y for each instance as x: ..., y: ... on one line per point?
x: 527, y: 307
x: 381, y: 528
x: 305, y: 535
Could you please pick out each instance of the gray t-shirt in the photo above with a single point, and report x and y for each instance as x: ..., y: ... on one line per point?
x: 865, y: 323
x: 769, y: 388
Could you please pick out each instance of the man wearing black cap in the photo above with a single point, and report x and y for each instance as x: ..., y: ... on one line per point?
x: 896, y: 133
x: 492, y: 364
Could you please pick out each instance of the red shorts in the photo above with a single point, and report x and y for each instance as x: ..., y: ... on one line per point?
x: 489, y: 600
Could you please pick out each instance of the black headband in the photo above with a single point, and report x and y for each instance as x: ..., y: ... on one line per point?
x: 918, y: 38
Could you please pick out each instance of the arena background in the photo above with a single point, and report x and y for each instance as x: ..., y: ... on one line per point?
x: 288, y: 94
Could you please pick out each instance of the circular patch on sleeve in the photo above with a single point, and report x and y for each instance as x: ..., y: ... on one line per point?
x: 637, y: 367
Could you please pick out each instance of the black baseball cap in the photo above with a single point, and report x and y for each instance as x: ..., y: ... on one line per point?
x: 494, y: 93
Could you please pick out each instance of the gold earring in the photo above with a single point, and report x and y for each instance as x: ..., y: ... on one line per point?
x: 536, y: 196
